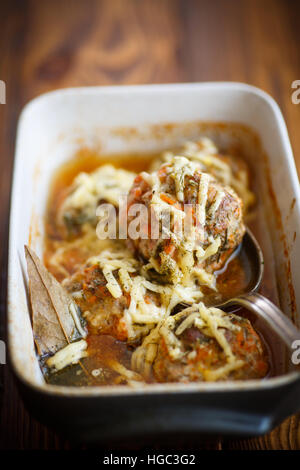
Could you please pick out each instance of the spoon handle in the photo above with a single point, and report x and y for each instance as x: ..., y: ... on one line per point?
x: 271, y: 314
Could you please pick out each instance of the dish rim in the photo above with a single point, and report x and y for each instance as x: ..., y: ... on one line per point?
x: 242, y: 386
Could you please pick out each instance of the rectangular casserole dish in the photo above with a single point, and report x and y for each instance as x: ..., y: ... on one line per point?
x: 145, y: 118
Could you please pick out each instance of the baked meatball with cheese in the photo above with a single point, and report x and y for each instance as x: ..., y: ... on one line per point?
x: 113, y: 297
x: 201, y: 344
x: 196, y: 221
x: 226, y: 169
x: 106, y: 184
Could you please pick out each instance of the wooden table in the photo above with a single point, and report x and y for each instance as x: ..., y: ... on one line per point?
x: 52, y: 44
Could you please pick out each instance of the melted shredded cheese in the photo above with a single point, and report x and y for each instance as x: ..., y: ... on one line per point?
x: 181, y: 168
x: 190, y: 251
x: 106, y: 183
x: 144, y: 356
x: 122, y: 273
x: 204, y: 154
x: 216, y: 204
x: 202, y: 199
x: 212, y: 322
x: 71, y: 354
x: 73, y: 308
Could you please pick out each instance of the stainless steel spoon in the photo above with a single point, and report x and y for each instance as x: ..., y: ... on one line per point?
x: 257, y: 303
x: 262, y: 307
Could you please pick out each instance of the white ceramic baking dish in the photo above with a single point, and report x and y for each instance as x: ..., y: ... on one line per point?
x: 142, y: 118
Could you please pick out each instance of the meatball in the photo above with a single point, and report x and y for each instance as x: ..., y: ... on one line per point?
x: 201, y: 344
x: 114, y: 299
x: 226, y: 169
x: 88, y: 190
x: 199, y: 221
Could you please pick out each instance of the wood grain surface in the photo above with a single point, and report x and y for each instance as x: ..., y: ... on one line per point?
x: 52, y: 44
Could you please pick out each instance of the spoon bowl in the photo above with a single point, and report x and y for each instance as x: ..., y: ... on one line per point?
x: 250, y: 257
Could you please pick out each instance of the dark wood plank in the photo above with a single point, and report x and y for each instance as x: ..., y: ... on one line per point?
x: 52, y: 44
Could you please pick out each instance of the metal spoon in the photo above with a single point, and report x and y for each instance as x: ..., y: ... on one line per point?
x: 262, y: 307
x: 257, y: 303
